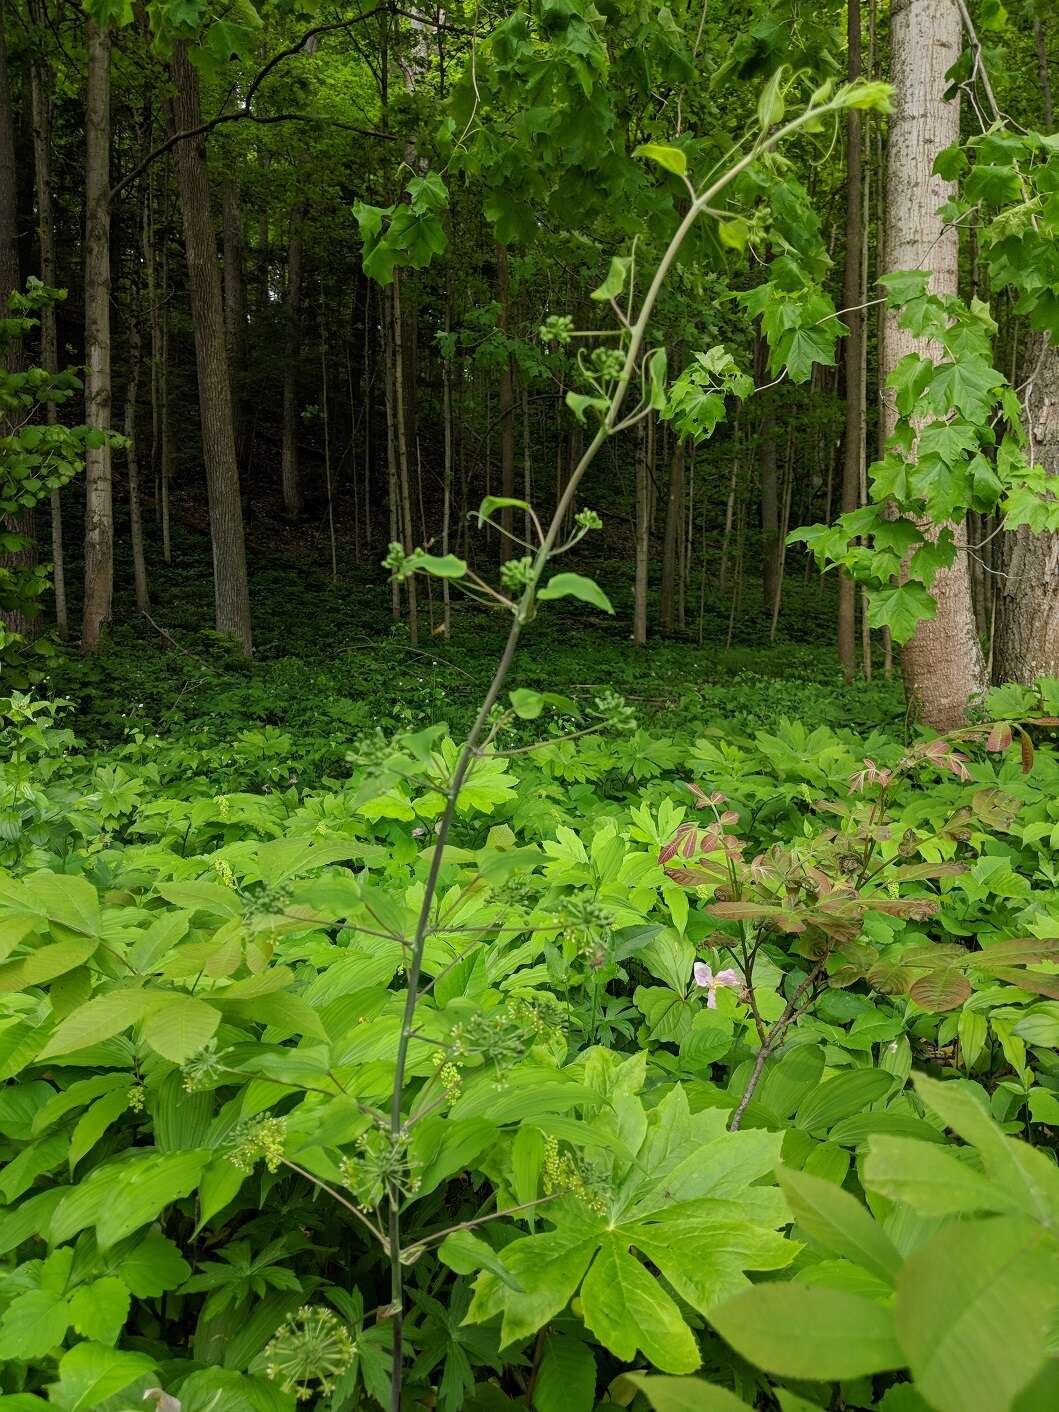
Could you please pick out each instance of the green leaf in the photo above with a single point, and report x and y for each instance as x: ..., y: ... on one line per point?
x: 440, y: 566
x: 683, y: 1394
x: 975, y: 1306
x: 672, y: 158
x: 142, y: 1190
x: 34, y: 1323
x: 527, y: 704
x: 102, y: 1018
x: 839, y: 1223
x: 770, y: 105
x: 95, y: 1121
x: 579, y: 403
x: 929, y: 1179
x: 154, y: 1266
x: 656, y: 378
x: 734, y: 234
x: 627, y: 1309
x: 614, y: 283
x: 805, y: 1331
x: 91, y: 1372
x: 179, y: 1028
x: 99, y: 1310
x: 46, y: 962
x: 840, y: 1097
x: 901, y: 608
x: 465, y: 1252
x: 566, y: 1377
x: 492, y: 503
x: 575, y: 586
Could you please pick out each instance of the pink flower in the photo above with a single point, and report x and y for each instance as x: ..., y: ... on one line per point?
x: 705, y: 978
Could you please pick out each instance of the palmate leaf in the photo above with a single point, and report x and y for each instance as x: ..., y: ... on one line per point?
x: 686, y: 1201
x: 901, y: 608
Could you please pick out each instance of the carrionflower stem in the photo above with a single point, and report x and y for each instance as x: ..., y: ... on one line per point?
x: 793, y: 1009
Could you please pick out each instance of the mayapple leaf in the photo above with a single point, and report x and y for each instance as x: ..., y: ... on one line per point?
x: 672, y: 158
x: 575, y: 586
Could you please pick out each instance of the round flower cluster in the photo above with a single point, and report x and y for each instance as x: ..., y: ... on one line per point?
x: 310, y: 1346
x: 380, y: 1166
x: 260, y: 1140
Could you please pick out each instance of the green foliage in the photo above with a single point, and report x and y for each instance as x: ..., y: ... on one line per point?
x: 37, y: 457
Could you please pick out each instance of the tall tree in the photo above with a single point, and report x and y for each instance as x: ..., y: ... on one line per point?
x: 943, y: 664
x: 293, y: 494
x: 506, y: 396
x: 1026, y: 637
x: 853, y: 316
x: 230, y: 589
x: 99, y: 506
x: 42, y: 106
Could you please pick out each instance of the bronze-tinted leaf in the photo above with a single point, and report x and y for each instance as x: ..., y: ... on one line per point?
x: 940, y: 990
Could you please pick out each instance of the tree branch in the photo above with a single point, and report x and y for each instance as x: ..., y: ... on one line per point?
x: 246, y: 113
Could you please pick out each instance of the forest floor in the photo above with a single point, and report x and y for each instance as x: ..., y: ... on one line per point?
x: 329, y: 662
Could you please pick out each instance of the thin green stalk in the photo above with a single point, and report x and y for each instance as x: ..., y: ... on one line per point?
x: 523, y: 614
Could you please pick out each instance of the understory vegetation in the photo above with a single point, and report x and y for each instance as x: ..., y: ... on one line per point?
x: 765, y: 895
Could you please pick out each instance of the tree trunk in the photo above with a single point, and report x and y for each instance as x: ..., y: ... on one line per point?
x: 99, y: 507
x: 943, y: 666
x: 42, y: 107
x: 293, y: 495
x: 853, y: 316
x: 673, y: 532
x: 643, y: 536
x: 403, y: 469
x: 231, y: 593
x: 446, y: 507
x: 766, y: 455
x: 1026, y: 641
x: 506, y: 392
x: 132, y: 458
x: 10, y: 279
x: 235, y: 312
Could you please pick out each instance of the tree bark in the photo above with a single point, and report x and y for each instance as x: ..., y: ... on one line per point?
x: 643, y: 537
x: 293, y: 494
x: 99, y: 506
x: 42, y: 109
x: 235, y: 311
x: 231, y: 592
x: 853, y: 316
x: 767, y: 462
x: 1026, y: 640
x: 943, y: 665
x: 506, y: 391
x: 403, y: 468
x: 132, y: 457
x: 673, y: 533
